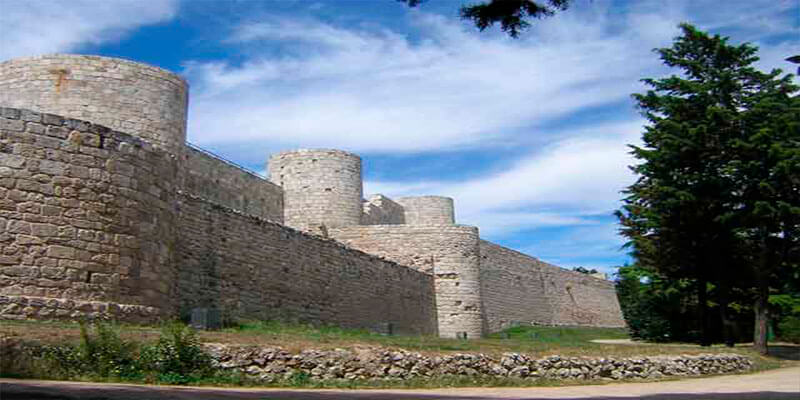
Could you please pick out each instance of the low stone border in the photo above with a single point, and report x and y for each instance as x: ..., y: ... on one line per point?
x: 275, y: 364
x: 13, y: 307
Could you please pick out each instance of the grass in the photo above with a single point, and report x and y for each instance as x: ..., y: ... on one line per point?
x: 532, y: 340
x: 536, y: 341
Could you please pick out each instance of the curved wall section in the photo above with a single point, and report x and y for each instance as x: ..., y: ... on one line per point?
x: 450, y: 253
x: 136, y: 98
x: 321, y: 188
x: 428, y: 210
x: 86, y: 221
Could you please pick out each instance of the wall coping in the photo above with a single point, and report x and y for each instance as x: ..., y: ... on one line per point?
x: 138, y: 64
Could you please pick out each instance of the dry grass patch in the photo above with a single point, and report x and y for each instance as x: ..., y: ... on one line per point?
x: 536, y: 341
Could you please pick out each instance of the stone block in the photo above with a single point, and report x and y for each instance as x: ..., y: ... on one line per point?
x: 31, y: 116
x: 44, y: 230
x: 12, y: 160
x: 16, y: 226
x: 51, y: 119
x: 10, y: 113
x: 56, y: 251
x: 13, y: 125
x: 27, y: 240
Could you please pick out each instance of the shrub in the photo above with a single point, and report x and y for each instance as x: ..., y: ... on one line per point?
x: 789, y: 329
x: 101, y: 352
x: 177, y: 356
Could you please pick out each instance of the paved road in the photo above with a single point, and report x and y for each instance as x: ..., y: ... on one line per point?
x: 776, y: 384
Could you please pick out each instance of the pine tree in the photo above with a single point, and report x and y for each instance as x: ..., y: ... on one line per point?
x: 766, y: 164
x: 693, y: 204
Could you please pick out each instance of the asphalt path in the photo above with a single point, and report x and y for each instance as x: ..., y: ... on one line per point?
x: 780, y: 384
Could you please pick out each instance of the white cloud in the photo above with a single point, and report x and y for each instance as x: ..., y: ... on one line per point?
x: 563, y: 184
x: 34, y: 27
x: 593, y: 246
x: 379, y: 91
x: 300, y: 82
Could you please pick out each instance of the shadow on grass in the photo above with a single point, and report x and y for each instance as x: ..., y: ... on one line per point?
x: 785, y: 352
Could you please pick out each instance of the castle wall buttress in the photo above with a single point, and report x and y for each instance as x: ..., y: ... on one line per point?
x: 428, y: 210
x: 449, y: 252
x: 126, y: 96
x: 86, y: 221
x: 322, y: 188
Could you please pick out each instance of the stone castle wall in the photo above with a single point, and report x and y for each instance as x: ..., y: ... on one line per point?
x: 381, y: 210
x: 85, y: 220
x: 518, y: 288
x: 322, y: 188
x: 226, y: 184
x: 428, y: 210
x: 92, y: 222
x: 251, y: 268
x: 142, y: 226
x: 142, y: 100
x: 449, y: 252
x: 580, y: 299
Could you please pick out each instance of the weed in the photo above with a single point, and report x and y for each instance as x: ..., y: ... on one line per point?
x: 177, y: 354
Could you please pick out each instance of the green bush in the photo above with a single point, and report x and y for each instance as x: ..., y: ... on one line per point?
x: 101, y: 352
x: 789, y: 329
x: 177, y: 355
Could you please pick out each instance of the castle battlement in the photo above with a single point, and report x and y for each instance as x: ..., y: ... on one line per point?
x: 105, y: 210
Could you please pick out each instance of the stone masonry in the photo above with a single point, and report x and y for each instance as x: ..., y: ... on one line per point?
x: 106, y: 211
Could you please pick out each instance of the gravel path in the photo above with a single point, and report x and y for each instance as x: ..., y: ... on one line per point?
x: 781, y: 384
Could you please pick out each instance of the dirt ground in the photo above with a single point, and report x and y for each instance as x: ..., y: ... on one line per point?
x: 783, y: 383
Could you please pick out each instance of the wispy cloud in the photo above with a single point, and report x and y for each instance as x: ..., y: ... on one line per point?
x: 590, y: 246
x: 33, y: 27
x: 562, y: 184
x: 380, y: 91
x: 434, y: 85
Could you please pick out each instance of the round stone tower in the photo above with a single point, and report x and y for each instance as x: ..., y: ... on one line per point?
x: 321, y: 188
x: 126, y: 96
x: 428, y: 210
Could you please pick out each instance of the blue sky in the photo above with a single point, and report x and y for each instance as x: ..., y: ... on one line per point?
x: 529, y: 136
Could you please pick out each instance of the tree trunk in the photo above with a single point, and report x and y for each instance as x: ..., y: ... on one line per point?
x: 762, y: 299
x: 702, y: 299
x: 762, y: 317
x: 727, y: 324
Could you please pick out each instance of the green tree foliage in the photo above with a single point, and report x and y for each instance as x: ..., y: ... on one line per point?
x: 766, y: 164
x: 659, y: 309
x: 512, y: 15
x: 584, y: 270
x: 716, y: 199
x: 656, y: 309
